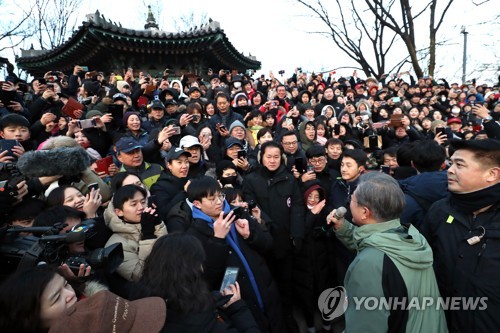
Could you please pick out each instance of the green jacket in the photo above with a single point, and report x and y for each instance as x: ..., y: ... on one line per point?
x: 393, y: 261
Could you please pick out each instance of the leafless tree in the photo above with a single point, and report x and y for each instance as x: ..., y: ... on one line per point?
x: 54, y: 20
x: 365, y: 42
x: 14, y: 33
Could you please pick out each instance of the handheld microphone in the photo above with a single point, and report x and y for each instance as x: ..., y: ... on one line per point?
x: 71, y: 237
x: 340, y: 212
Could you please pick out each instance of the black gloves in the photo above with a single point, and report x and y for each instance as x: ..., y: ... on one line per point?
x: 148, y: 223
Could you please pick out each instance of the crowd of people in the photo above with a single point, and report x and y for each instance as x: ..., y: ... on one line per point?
x: 385, y: 186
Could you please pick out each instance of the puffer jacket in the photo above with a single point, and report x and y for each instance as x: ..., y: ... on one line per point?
x: 135, y: 249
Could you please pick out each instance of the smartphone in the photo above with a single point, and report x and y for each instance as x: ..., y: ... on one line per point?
x: 310, y: 168
x: 3, y: 183
x: 42, y: 81
x: 151, y: 200
x: 177, y: 130
x: 396, y: 99
x: 103, y: 164
x: 116, y: 110
x: 85, y: 68
x: 385, y: 169
x: 230, y: 277
x: 50, y: 86
x: 242, y: 154
x: 86, y: 123
x: 237, y: 212
x: 195, y: 117
x: 274, y: 104
x: 336, y: 129
x: 373, y: 140
x: 94, y: 186
x: 288, y: 121
x: 299, y: 164
x: 222, y: 127
x: 8, y: 145
x: 440, y: 130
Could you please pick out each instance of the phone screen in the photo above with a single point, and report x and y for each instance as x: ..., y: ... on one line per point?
x: 385, y: 169
x: 242, y: 154
x: 8, y: 145
x: 94, y: 186
x: 336, y: 129
x: 299, y: 164
x: 230, y: 277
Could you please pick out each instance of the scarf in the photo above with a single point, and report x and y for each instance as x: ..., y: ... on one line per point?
x: 473, y: 201
x: 232, y: 240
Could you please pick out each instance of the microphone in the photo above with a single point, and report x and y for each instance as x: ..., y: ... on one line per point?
x: 339, y: 213
x: 71, y: 237
x: 59, y: 161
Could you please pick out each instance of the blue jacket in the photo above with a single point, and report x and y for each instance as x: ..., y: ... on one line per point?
x: 428, y: 187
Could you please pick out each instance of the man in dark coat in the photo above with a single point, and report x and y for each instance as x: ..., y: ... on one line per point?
x: 464, y: 232
x: 277, y: 194
x: 235, y: 241
x: 429, y: 186
x: 169, y: 188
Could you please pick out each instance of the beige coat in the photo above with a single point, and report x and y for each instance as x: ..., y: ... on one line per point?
x: 135, y: 250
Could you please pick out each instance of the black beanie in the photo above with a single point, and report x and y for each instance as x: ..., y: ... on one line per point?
x: 13, y: 119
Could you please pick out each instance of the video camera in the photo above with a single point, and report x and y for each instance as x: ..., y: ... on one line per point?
x: 17, y: 252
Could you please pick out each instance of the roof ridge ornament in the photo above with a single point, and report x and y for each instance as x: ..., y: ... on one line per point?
x: 151, y: 21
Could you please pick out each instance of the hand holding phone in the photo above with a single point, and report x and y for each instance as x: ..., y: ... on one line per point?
x: 230, y: 277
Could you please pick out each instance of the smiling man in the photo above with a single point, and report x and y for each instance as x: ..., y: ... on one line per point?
x: 169, y: 189
x: 463, y: 230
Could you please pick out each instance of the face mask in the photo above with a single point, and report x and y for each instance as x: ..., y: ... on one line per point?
x: 443, y: 98
x: 231, y: 180
x: 237, y: 85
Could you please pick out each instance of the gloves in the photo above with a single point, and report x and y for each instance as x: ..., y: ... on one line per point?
x: 148, y: 223
x: 297, y: 245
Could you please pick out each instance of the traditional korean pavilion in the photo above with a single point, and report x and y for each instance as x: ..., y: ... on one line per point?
x: 105, y: 46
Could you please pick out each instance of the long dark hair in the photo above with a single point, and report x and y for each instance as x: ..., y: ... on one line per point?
x: 21, y: 298
x: 174, y: 271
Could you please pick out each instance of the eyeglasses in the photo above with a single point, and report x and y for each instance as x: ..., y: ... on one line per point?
x: 292, y: 143
x: 317, y: 160
x: 220, y: 197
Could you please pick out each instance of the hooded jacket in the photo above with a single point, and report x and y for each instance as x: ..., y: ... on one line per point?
x: 135, y: 249
x: 392, y: 261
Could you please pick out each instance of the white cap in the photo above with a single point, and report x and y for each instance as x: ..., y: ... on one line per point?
x: 189, y: 141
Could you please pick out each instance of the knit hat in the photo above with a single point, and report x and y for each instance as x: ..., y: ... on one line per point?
x: 13, y: 119
x: 313, y: 185
x: 93, y: 113
x: 235, y: 124
x: 127, y: 115
x: 437, y: 123
x: 223, y: 165
x: 92, y: 87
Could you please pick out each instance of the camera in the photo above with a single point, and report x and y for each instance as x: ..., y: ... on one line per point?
x: 51, y: 247
x: 251, y: 205
x: 299, y: 69
x: 281, y: 72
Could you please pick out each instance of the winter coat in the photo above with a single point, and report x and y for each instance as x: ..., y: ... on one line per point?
x: 135, y: 249
x: 466, y: 270
x: 219, y: 255
x: 392, y: 261
x: 421, y: 191
x: 168, y: 190
x: 278, y: 195
x: 207, y: 322
x: 311, y: 272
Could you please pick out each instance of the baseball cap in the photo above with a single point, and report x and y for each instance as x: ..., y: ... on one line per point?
x: 175, y: 153
x: 189, y: 141
x: 454, y: 120
x: 119, y: 97
x: 107, y: 312
x: 156, y: 104
x: 233, y: 141
x: 126, y: 144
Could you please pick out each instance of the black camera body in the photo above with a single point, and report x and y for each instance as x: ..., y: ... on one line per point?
x: 18, y: 253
